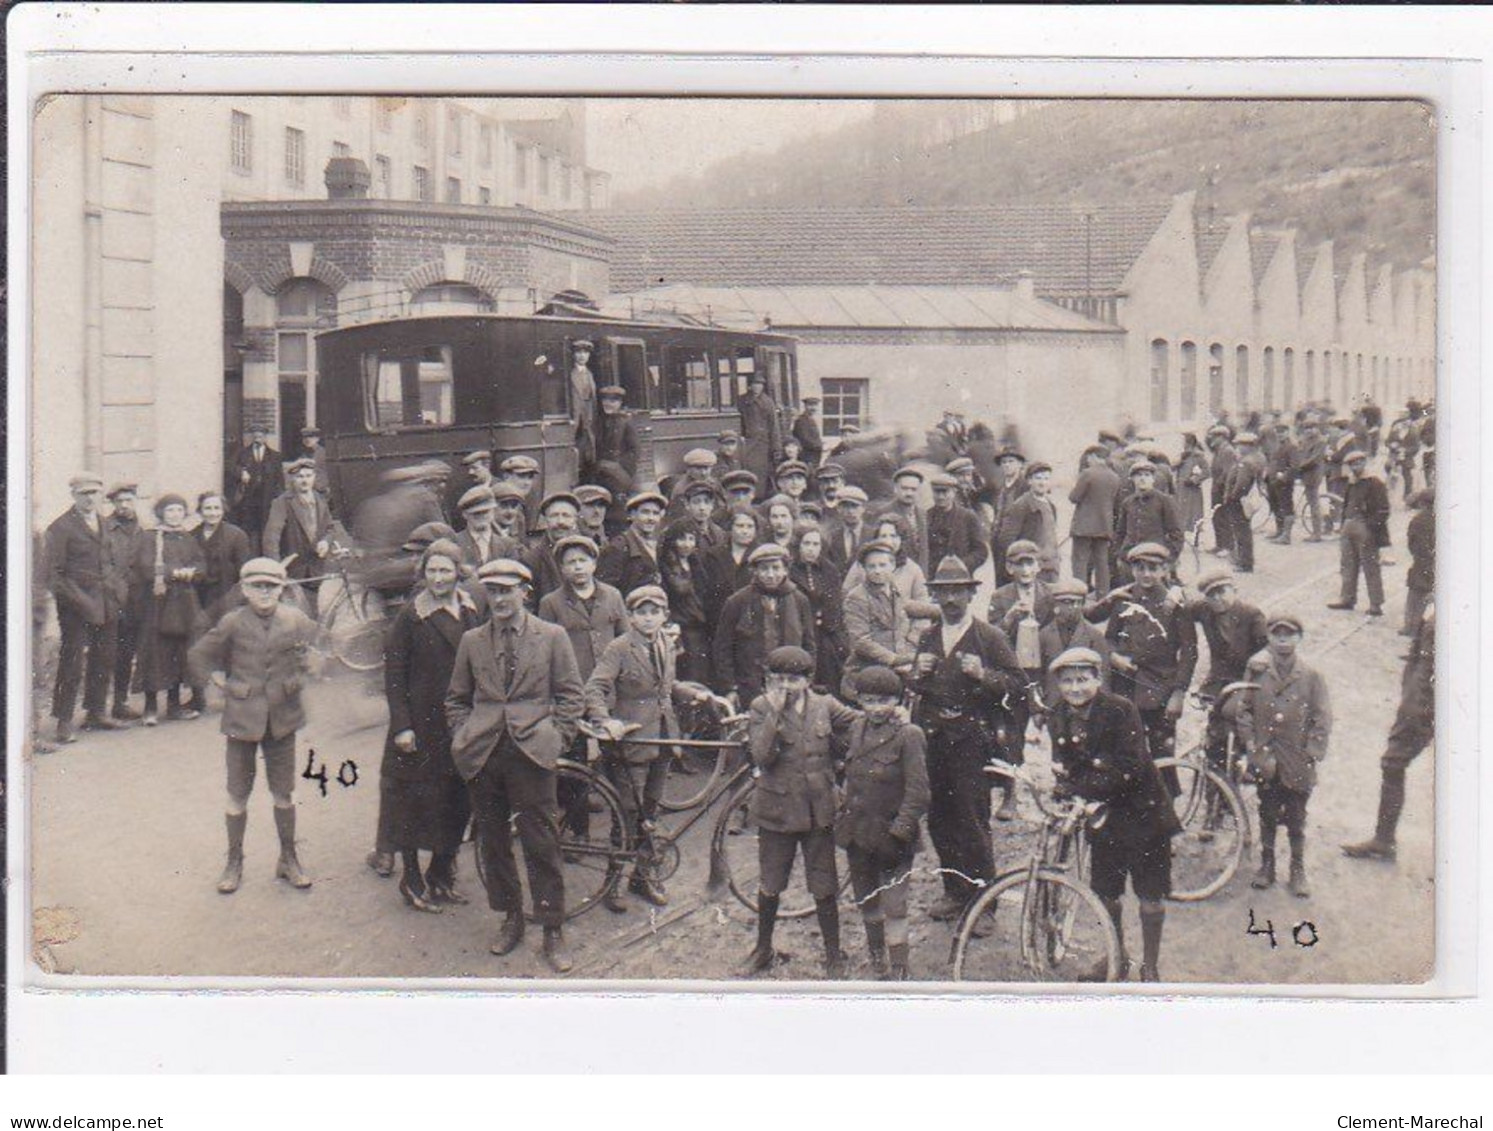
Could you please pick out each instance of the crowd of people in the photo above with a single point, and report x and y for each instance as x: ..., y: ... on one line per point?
x: 842, y: 622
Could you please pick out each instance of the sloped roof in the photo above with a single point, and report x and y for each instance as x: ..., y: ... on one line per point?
x: 1262, y: 246
x: 1209, y: 243
x: 968, y: 246
x: 866, y: 307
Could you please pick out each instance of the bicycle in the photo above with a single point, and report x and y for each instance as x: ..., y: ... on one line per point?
x: 1216, y: 832
x: 598, y: 847
x: 1040, y: 921
x: 352, y: 622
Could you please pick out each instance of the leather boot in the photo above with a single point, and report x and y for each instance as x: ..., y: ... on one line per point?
x: 1297, y: 882
x: 1285, y: 533
x: 1381, y: 846
x: 233, y: 871
x: 1265, y: 877
x: 510, y: 934
x: 289, y: 868
x: 556, y: 952
x: 1151, y: 923
x: 876, y: 947
x: 762, y: 954
x: 901, y: 970
x: 827, y: 911
x: 1007, y: 810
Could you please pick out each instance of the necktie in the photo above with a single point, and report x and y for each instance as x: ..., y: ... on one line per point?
x: 658, y: 658
x: 510, y: 662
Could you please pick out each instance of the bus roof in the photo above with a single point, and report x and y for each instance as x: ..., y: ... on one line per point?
x: 602, y: 321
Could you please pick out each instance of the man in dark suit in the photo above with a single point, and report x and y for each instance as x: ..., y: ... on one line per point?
x: 256, y: 479
x: 89, y: 587
x: 844, y: 533
x: 1225, y: 456
x: 630, y: 560
x: 761, y: 440
x: 806, y: 432
x: 965, y: 675
x: 954, y: 528
x: 1093, y: 525
x: 515, y: 699
x: 616, y: 450
x: 1030, y: 517
x: 300, y: 522
x: 124, y: 532
x: 1099, y: 753
x: 1365, y: 533
x: 481, y: 541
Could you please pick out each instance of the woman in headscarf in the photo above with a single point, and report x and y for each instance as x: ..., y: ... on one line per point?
x: 423, y: 799
x: 1192, y: 470
x: 820, y: 581
x: 908, y: 577
x: 168, y: 564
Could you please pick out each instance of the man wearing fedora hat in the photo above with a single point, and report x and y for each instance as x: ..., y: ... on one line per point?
x: 966, y: 677
x: 89, y: 588
x: 513, y: 705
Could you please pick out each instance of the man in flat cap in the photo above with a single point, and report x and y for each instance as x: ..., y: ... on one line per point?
x: 966, y: 677
x: 481, y: 541
x: 583, y: 407
x: 1365, y: 533
x: 793, y: 807
x: 616, y: 446
x: 560, y: 513
x: 954, y: 528
x: 311, y: 449
x: 255, y: 479
x: 596, y: 503
x: 727, y: 452
x: 301, y: 523
x: 1311, y: 466
x: 907, y: 485
x: 515, y: 699
x: 702, y: 502
x: 1285, y: 723
x: 1030, y: 517
x: 740, y: 487
x: 1148, y: 515
x: 264, y: 650
x: 761, y: 439
x: 806, y: 431
x: 793, y: 479
x: 1067, y: 629
x: 631, y: 559
x: 829, y: 478
x: 124, y: 532
x: 479, y: 467
x: 523, y: 472
x: 1235, y: 632
x: 699, y: 467
x: 1248, y: 473
x: 89, y: 587
x: 769, y: 613
x: 847, y: 528
x: 1092, y: 529
x: 1220, y: 441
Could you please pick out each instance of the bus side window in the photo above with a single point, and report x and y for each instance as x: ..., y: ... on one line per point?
x: 725, y: 382
x: 408, y: 388
x: 746, y: 365
x: 688, y: 373
x: 656, y: 386
x: 551, y: 378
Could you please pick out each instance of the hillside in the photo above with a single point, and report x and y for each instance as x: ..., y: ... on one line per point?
x: 1360, y: 173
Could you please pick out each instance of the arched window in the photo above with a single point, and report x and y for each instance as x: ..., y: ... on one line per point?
x: 302, y: 306
x: 1346, y: 376
x: 1327, y: 376
x: 1161, y: 378
x: 1189, y: 380
x: 1267, y: 380
x: 1215, y: 379
x: 1288, y: 379
x: 1311, y: 375
x: 1241, y: 378
x: 1358, y: 385
x: 449, y: 298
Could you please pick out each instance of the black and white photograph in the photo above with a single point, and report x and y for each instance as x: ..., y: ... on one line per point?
x: 984, y: 543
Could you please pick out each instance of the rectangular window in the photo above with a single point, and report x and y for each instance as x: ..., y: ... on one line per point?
x: 551, y: 369
x: 453, y: 131
x: 295, y: 157
x: 746, y: 365
x: 241, y: 135
x: 725, y: 380
x: 845, y: 402
x: 383, y: 172
x: 484, y: 195
x: 453, y: 190
x: 422, y: 183
x: 687, y: 372
x: 409, y: 388
x: 341, y: 149
x: 1161, y: 379
x: 484, y: 145
x: 1189, y: 381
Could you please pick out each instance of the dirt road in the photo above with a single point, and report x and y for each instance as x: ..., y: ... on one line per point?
x: 127, y: 835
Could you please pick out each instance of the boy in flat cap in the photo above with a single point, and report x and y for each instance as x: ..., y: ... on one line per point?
x: 1099, y: 753
x: 727, y: 453
x: 630, y: 560
x: 1235, y: 631
x: 514, y: 701
x: 1068, y: 629
x: 1147, y: 515
x: 768, y: 614
x: 886, y: 794
x: 793, y: 805
x: 264, y: 650
x: 633, y: 684
x: 1285, y: 724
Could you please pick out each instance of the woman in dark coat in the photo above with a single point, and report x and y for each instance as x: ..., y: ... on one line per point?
x: 724, y: 569
x: 821, y: 582
x: 423, y: 801
x: 167, y: 566
x: 225, y: 549
x: 679, y: 564
x: 1192, y: 469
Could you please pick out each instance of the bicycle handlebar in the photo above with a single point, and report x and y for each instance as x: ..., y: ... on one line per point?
x: 1060, y: 811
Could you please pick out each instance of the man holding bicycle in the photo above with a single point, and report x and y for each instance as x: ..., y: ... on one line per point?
x: 1235, y: 631
x: 1099, y: 753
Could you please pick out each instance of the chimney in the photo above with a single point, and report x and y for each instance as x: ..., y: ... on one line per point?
x: 1025, y: 286
x: 347, y: 178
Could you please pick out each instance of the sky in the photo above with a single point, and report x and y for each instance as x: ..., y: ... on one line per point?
x: 648, y: 141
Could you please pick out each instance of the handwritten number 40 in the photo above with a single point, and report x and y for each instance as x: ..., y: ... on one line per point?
x: 347, y: 773
x: 1303, y: 934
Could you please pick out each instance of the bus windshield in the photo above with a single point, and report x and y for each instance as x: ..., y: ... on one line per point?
x: 408, y: 388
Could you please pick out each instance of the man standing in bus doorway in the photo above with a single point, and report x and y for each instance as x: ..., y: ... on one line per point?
x: 762, y: 444
x: 806, y: 432
x: 616, y: 454
x: 583, y: 407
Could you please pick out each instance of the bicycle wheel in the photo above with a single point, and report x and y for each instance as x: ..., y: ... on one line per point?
x: 692, y: 775
x: 735, y: 839
x: 1052, y: 929
x: 355, y: 626
x: 595, y: 842
x: 1207, y: 853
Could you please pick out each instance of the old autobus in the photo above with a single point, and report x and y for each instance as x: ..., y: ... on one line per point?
x: 404, y: 390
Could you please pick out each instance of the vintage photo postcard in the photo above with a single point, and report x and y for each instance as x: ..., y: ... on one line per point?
x: 761, y: 541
